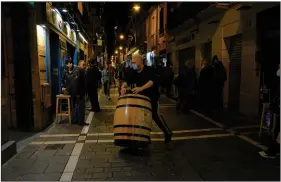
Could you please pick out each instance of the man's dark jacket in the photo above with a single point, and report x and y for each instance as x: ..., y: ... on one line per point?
x: 93, y: 76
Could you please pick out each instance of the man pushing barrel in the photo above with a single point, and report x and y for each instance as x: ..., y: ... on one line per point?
x: 145, y: 78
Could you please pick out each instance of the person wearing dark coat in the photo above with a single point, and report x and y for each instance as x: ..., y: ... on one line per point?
x: 206, y: 87
x: 186, y: 86
x: 220, y: 78
x: 93, y: 75
x: 170, y: 79
x: 78, y: 87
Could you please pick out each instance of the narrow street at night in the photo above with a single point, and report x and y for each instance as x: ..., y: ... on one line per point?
x: 200, y: 150
x: 140, y: 91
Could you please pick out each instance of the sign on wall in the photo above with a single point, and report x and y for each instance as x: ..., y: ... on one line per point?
x: 55, y: 19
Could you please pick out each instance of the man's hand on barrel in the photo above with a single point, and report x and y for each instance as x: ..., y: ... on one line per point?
x: 136, y: 90
x: 123, y: 91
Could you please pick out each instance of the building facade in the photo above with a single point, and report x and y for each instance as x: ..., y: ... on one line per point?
x: 29, y: 90
x: 232, y: 33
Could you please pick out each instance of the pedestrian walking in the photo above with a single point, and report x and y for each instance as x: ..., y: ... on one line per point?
x: 93, y: 75
x: 106, y: 81
x: 186, y: 82
x: 145, y: 80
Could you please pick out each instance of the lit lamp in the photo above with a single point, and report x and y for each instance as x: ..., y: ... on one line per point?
x: 120, y: 47
x: 116, y: 52
x: 136, y: 8
x: 121, y: 36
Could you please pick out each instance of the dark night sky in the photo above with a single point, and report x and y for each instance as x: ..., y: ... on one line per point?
x: 115, y: 14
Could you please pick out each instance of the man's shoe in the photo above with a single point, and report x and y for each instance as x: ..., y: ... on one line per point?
x: 265, y: 155
x: 83, y: 124
x: 168, y: 138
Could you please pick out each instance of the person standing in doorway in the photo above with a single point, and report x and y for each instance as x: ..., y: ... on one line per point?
x: 220, y: 78
x: 145, y: 80
x: 106, y: 81
x: 93, y: 76
x: 205, y: 87
x: 274, y: 145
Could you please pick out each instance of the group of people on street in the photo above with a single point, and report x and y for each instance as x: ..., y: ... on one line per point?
x: 77, y: 81
x: 204, y: 92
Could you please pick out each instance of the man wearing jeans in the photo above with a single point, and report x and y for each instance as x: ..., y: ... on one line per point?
x: 105, y: 81
x: 78, y: 113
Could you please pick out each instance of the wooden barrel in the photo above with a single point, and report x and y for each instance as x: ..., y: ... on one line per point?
x: 132, y: 121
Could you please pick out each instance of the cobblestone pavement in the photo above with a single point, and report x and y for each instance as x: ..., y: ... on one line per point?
x: 202, y: 149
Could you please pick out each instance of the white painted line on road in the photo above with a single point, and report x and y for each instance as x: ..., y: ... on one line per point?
x: 207, y: 118
x: 91, y: 141
x: 240, y: 135
x: 106, y: 141
x: 82, y: 138
x: 60, y: 142
x: 59, y: 135
x: 169, y: 99
x: 253, y: 142
x: 79, y: 147
x: 231, y: 130
x: 73, y: 159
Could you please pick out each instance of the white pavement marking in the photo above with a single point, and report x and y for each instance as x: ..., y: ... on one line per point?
x: 60, y: 135
x: 241, y: 135
x: 207, y: 118
x: 73, y: 159
x: 231, y: 130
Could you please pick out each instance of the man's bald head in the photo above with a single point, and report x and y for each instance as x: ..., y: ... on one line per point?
x: 137, y: 59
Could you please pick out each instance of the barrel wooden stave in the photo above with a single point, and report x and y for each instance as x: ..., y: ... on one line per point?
x: 132, y: 124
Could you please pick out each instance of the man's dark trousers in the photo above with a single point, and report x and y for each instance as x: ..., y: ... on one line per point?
x: 78, y: 112
x: 93, y: 94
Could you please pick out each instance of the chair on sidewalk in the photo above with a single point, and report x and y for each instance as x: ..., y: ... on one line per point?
x: 59, y: 111
x: 265, y: 108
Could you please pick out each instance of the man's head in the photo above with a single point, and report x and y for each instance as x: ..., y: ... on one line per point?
x: 137, y: 61
x: 68, y: 63
x: 106, y: 65
x: 92, y: 62
x: 82, y: 64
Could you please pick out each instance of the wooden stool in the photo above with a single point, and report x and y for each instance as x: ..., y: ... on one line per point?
x: 59, y: 105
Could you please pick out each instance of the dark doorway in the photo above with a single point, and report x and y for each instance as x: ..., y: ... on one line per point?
x: 22, y: 66
x: 70, y: 50
x: 234, y: 46
x: 207, y: 51
x: 81, y: 56
x: 186, y: 54
x: 55, y: 59
x: 268, y: 42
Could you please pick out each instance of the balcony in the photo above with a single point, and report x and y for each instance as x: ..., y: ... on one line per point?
x: 178, y: 13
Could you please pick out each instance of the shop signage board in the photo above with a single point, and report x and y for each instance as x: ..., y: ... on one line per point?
x: 55, y: 19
